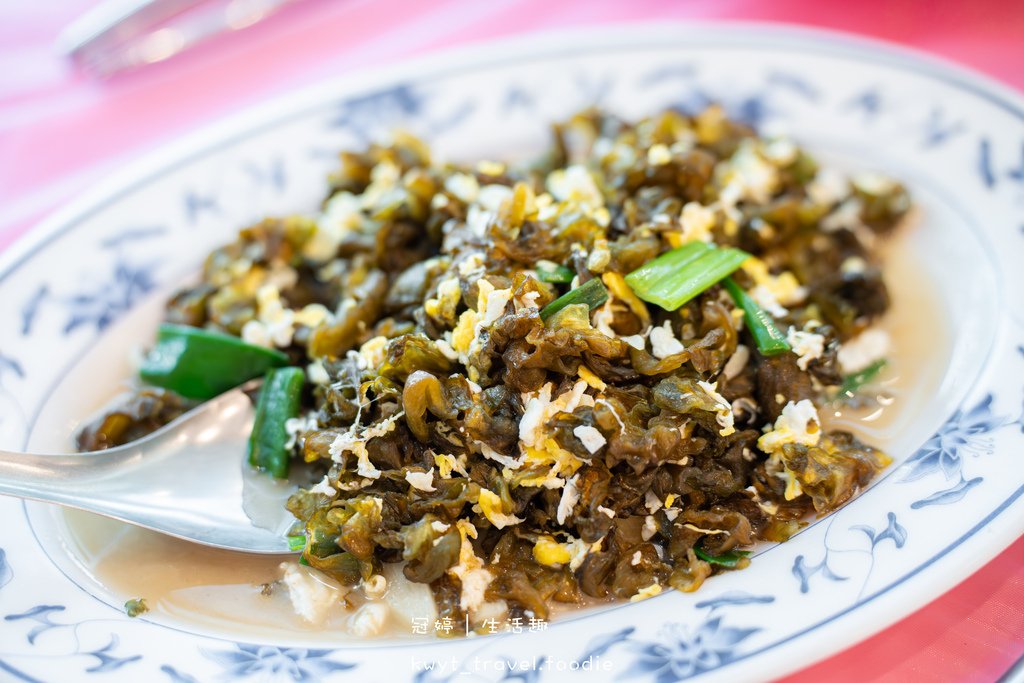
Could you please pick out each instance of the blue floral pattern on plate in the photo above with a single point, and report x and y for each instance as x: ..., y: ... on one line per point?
x: 967, y: 433
x: 297, y: 664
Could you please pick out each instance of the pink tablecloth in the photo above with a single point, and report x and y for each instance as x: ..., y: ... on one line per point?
x: 60, y: 132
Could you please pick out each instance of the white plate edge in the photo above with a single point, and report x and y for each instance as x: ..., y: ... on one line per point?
x: 865, y: 619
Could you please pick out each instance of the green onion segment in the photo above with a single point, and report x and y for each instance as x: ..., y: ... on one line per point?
x: 592, y: 293
x: 854, y: 381
x: 770, y: 341
x: 730, y: 560
x: 679, y: 275
x: 556, y: 274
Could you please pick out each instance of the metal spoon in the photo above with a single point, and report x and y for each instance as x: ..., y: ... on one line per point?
x: 184, y: 480
x: 124, y: 34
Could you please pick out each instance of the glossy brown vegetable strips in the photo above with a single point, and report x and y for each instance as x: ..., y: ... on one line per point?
x: 516, y: 442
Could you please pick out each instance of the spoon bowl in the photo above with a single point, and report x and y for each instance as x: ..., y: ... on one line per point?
x: 190, y: 479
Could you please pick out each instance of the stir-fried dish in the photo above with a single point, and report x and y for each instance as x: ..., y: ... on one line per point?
x: 593, y: 377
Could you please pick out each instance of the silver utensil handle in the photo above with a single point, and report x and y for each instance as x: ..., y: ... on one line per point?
x: 117, y: 20
x: 53, y: 478
x: 123, y: 34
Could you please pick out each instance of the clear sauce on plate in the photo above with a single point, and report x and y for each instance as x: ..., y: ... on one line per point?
x: 225, y: 592
x: 918, y: 357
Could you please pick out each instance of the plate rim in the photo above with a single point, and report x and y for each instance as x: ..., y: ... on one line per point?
x: 250, y: 120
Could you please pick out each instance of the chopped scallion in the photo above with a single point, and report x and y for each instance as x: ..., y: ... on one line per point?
x: 592, y: 293
x: 770, y: 341
x: 555, y: 273
x: 854, y: 381
x: 730, y: 560
x: 135, y: 607
x: 679, y: 275
x: 296, y: 543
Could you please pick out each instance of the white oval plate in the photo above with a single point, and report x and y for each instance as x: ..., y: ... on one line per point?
x: 89, y: 280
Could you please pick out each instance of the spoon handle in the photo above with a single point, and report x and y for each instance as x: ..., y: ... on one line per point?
x: 94, y: 481
x: 185, y: 480
x: 53, y: 478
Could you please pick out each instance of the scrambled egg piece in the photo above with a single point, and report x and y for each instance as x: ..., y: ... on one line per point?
x: 537, y: 449
x: 443, y: 307
x: 798, y: 424
x: 354, y: 441
x: 619, y: 289
x: 374, y: 352
x: 491, y: 507
x: 491, y: 168
x: 587, y: 375
x: 469, y: 570
x: 592, y: 439
x: 463, y: 187
x: 664, y: 342
x: 274, y: 324
x: 324, y: 487
x: 493, y: 196
x: 491, y: 303
x: 807, y: 345
x: 575, y: 184
x: 562, y: 463
x: 828, y: 187
x: 342, y: 214
x: 462, y: 335
x: 600, y: 256
x: 550, y: 553
x: 648, y: 592
x: 446, y: 464
x: 747, y: 175
x: 424, y: 481
x: 465, y: 338
x: 773, y: 292
x: 697, y: 223
x: 863, y: 350
x: 658, y: 155
x: 737, y: 361
x: 294, y: 427
x: 538, y: 409
x: 570, y: 496
x: 572, y: 190
x: 384, y: 189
